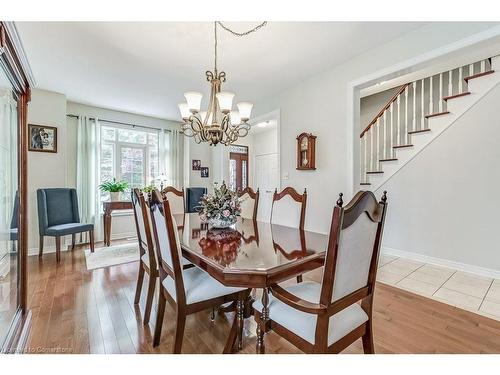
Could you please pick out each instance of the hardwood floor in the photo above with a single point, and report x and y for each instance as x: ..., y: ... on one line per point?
x: 80, y: 311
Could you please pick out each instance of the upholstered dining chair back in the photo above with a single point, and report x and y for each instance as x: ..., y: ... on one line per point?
x: 289, y: 208
x: 168, y: 248
x: 175, y: 199
x: 193, y: 197
x: 14, y: 222
x: 354, y: 245
x: 249, y: 203
x: 143, y: 227
x: 57, y: 206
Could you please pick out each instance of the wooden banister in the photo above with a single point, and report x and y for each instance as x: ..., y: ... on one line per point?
x: 400, y: 91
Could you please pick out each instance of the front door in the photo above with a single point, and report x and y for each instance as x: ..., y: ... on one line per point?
x: 238, y: 171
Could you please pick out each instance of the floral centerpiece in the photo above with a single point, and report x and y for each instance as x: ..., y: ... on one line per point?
x: 220, y: 209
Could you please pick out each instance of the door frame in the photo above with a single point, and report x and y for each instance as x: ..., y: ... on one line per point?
x: 16, y: 67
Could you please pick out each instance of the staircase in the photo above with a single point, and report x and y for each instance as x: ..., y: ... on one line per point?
x: 417, y: 114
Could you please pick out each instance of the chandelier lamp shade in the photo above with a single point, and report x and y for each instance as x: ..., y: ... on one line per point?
x: 220, y: 123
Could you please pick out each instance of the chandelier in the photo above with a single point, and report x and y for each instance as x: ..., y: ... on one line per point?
x: 219, y: 123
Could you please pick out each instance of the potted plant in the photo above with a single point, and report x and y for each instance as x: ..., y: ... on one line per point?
x: 114, y: 188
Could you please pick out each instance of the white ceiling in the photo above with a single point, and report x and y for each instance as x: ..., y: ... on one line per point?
x: 145, y: 68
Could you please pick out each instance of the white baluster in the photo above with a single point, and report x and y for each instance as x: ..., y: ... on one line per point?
x: 483, y: 66
x: 378, y: 145
x: 431, y: 94
x: 372, y: 159
x: 392, y: 130
x: 406, y: 115
x: 440, y: 92
x: 366, y: 154
x: 414, y: 125
x: 422, y: 96
x: 450, y: 83
x: 460, y: 80
x: 471, y: 69
x: 398, y: 138
x: 385, y: 134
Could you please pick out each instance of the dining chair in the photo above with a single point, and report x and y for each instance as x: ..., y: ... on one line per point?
x: 249, y: 203
x: 147, y: 260
x: 176, y: 199
x: 58, y: 216
x: 326, y: 317
x: 289, y: 209
x: 190, y: 290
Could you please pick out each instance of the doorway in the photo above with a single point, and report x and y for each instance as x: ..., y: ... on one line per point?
x: 238, y: 167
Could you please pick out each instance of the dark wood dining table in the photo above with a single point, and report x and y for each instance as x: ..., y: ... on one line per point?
x: 251, y: 254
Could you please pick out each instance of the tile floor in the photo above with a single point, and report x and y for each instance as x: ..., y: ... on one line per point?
x: 464, y: 290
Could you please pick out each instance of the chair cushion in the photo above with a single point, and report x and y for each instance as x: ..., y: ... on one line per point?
x: 304, y: 324
x: 199, y: 286
x: 70, y: 228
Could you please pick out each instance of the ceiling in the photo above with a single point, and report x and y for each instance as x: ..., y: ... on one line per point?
x: 145, y: 67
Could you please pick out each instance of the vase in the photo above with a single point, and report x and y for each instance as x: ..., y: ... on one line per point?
x: 221, y: 223
x: 115, y: 196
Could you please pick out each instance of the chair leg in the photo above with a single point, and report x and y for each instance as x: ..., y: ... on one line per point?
x: 138, y: 288
x: 240, y: 320
x: 73, y: 240
x: 159, y: 318
x: 299, y: 279
x: 40, y: 249
x: 91, y: 235
x: 179, y: 331
x: 368, y: 346
x: 149, y: 298
x: 58, y: 249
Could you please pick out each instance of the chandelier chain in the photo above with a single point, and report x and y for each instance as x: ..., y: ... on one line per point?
x: 244, y: 33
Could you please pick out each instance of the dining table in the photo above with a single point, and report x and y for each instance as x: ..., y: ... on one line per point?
x: 251, y: 254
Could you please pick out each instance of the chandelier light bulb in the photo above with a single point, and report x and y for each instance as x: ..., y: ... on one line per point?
x: 184, y: 109
x: 225, y: 99
x: 245, y: 110
x: 193, y: 99
x: 235, y: 118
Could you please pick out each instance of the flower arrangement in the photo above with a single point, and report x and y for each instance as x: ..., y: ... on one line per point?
x: 220, y: 209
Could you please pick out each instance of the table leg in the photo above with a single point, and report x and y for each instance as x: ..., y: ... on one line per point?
x: 107, y: 228
x: 240, y: 319
x: 261, y: 327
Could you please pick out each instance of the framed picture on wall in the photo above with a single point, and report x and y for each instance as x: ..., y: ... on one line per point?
x: 204, y: 172
x: 42, y: 138
x: 196, y: 164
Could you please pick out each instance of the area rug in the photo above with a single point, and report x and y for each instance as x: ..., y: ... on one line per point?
x: 111, y: 256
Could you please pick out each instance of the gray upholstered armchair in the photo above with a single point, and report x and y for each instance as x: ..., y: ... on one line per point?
x: 58, y: 216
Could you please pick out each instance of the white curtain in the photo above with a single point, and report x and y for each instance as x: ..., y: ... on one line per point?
x: 171, y: 154
x: 86, y: 173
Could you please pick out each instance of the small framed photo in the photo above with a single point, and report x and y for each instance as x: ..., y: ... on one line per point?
x: 196, y: 165
x: 204, y: 172
x: 42, y: 138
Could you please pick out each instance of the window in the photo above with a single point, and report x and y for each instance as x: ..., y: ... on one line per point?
x: 128, y: 154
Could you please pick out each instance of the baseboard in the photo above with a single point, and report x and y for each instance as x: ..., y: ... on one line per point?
x: 481, y: 271
x: 66, y: 245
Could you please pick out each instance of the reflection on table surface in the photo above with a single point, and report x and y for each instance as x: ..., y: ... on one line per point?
x: 248, y: 244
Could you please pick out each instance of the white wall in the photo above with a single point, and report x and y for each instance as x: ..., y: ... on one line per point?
x: 444, y: 203
x: 45, y: 169
x: 320, y: 105
x: 201, y: 152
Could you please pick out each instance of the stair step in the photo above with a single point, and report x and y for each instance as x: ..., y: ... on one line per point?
x: 478, y: 75
x: 446, y: 98
x: 374, y: 172
x: 365, y: 183
x: 402, y: 146
x: 437, y: 114
x: 391, y: 159
x: 419, y: 131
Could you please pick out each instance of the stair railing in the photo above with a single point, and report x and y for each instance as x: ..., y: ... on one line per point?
x: 407, y: 112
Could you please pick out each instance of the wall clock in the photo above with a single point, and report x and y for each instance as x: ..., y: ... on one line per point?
x: 306, y: 151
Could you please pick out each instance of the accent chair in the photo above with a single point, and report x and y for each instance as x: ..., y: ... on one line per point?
x: 58, y: 216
